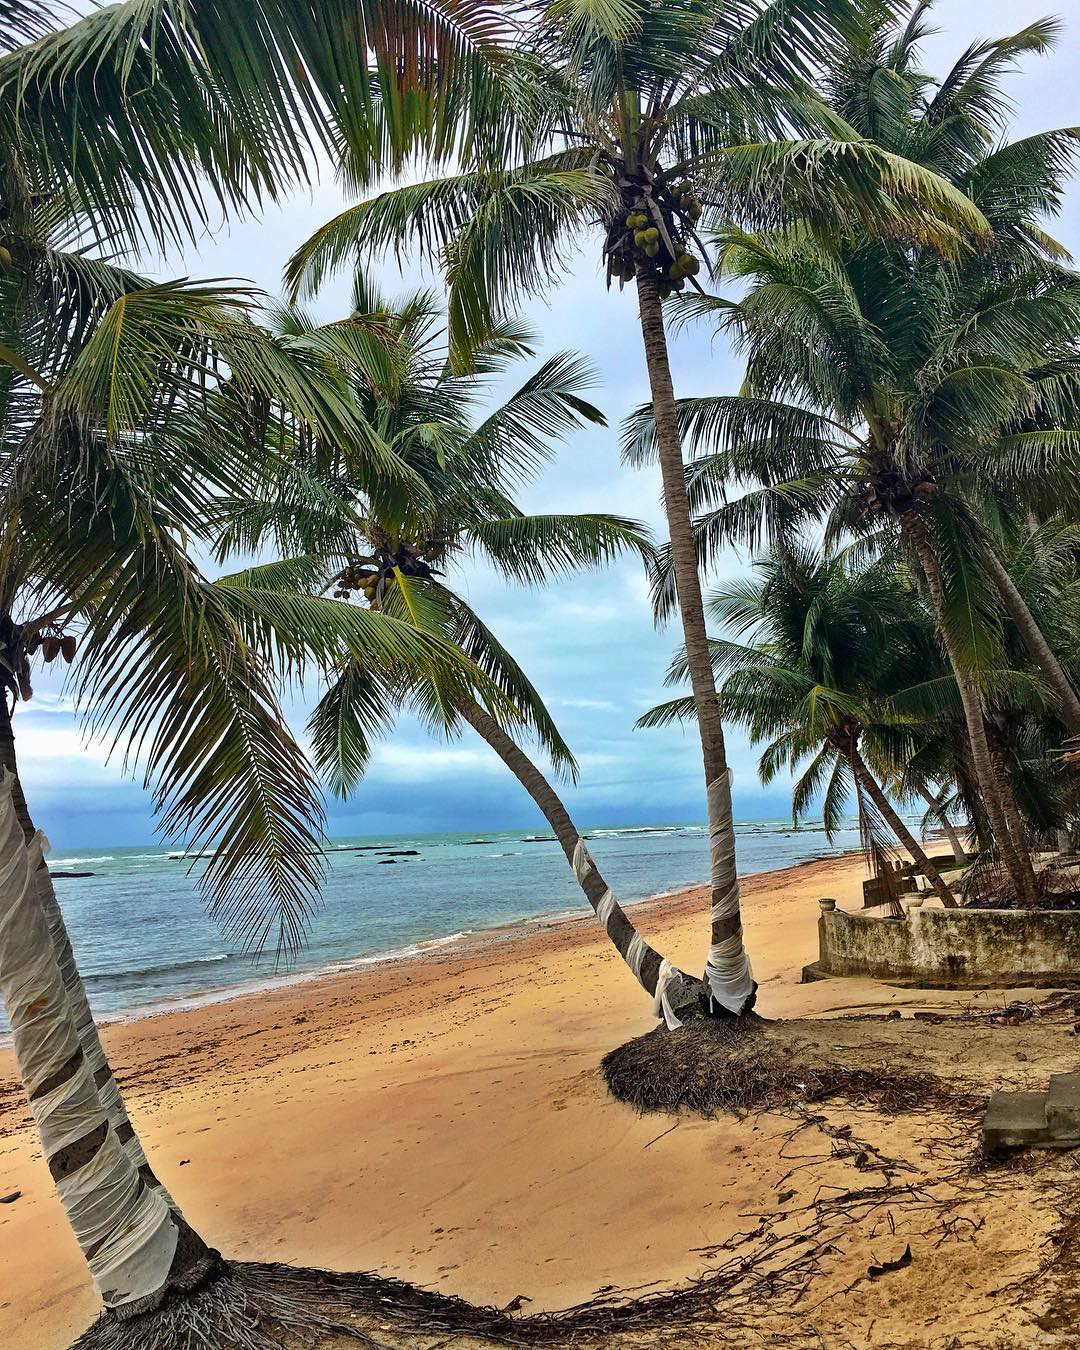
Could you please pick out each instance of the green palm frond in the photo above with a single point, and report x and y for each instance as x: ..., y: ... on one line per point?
x: 433, y: 215
x: 354, y: 712
x: 166, y: 677
x: 752, y: 431
x: 520, y: 433
x: 152, y: 109
x: 532, y: 549
x: 840, y: 187
x: 664, y: 714
x: 530, y: 713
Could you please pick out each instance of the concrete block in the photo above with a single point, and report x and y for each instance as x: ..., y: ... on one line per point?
x: 1015, y: 1120
x: 1063, y: 1105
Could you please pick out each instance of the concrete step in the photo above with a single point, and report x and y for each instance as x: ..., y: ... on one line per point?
x: 1063, y: 1104
x: 1034, y: 1119
x: 1015, y: 1120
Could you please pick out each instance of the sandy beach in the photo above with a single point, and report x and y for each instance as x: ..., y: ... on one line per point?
x: 444, y: 1120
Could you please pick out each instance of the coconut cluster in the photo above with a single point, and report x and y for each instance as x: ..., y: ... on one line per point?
x: 894, y: 493
x: 365, y: 580
x: 53, y: 645
x: 653, y: 235
x: 373, y: 577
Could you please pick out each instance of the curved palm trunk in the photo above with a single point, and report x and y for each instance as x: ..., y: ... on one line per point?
x: 730, y: 980
x: 1023, y: 878
x: 137, y: 1249
x: 959, y: 852
x: 873, y: 790
x: 999, y: 760
x: 1036, y: 644
x: 89, y: 1039
x: 674, y: 993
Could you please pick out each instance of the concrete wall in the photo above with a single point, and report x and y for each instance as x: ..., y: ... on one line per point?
x: 946, y: 947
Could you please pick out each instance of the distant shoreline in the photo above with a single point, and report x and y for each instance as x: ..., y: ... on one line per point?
x: 472, y: 943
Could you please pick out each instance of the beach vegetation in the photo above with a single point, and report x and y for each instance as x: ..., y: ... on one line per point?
x: 895, y: 394
x: 126, y: 408
x: 402, y: 555
x: 817, y: 647
x: 648, y: 123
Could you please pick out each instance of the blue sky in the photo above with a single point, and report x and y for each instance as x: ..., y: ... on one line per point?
x: 590, y: 647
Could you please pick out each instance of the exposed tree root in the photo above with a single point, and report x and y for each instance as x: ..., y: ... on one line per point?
x: 747, y: 1064
x: 255, y: 1306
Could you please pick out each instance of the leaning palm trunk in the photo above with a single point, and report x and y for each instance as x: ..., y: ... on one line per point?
x: 999, y: 761
x: 869, y: 784
x: 959, y: 852
x: 1038, y: 648
x: 89, y: 1039
x: 674, y: 993
x: 1023, y: 878
x: 731, y: 983
x: 137, y: 1249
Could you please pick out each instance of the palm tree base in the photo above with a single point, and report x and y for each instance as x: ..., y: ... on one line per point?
x: 747, y: 1064
x: 714, y: 1009
x: 257, y: 1306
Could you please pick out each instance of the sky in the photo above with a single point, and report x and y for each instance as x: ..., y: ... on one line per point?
x: 589, y: 644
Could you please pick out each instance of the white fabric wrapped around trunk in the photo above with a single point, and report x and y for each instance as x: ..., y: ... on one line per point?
x: 638, y: 949
x: 125, y: 1230
x: 727, y: 970
x: 93, y: 1052
x: 661, y: 1000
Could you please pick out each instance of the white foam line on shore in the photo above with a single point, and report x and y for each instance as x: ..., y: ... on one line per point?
x: 506, y: 931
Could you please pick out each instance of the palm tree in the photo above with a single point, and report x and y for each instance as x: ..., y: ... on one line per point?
x: 113, y: 129
x: 396, y: 554
x: 893, y: 385
x: 937, y: 814
x: 115, y: 448
x: 826, y: 644
x: 645, y: 117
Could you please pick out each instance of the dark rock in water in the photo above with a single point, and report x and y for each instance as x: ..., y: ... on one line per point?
x: 400, y: 852
x: 479, y: 841
x: 540, y: 839
x: 387, y: 862
x: 54, y: 875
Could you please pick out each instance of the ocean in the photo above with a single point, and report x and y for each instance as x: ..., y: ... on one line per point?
x: 143, y: 940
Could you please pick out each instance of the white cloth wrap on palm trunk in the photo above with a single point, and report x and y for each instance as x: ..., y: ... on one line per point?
x: 583, y: 864
x: 661, y: 999
x: 727, y: 970
x: 638, y: 949
x: 94, y: 1054
x: 124, y: 1228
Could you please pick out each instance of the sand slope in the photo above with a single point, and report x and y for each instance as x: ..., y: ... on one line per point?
x: 444, y: 1120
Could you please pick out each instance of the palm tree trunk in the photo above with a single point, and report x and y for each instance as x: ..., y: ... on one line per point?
x: 959, y: 852
x: 915, y: 531
x: 137, y: 1249
x: 727, y: 972
x: 1000, y: 762
x: 874, y: 791
x: 1036, y: 644
x: 674, y: 993
x: 89, y: 1039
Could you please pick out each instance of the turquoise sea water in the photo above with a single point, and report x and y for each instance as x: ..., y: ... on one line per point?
x: 142, y: 938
